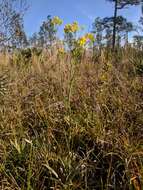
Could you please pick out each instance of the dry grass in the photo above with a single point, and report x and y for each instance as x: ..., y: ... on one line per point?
x: 67, y: 126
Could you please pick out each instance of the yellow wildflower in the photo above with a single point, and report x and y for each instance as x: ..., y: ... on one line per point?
x: 82, y: 41
x: 90, y: 37
x: 68, y: 28
x: 74, y: 27
x: 57, y: 21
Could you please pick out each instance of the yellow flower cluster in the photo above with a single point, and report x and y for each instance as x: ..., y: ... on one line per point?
x: 82, y: 41
x: 57, y: 21
x: 87, y: 38
x: 74, y: 27
x: 90, y: 37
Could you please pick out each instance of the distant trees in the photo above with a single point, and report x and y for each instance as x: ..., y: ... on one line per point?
x: 109, y: 31
x: 138, y: 41
x: 119, y: 4
x: 11, y: 13
x: 47, y: 34
x: 48, y: 31
x: 34, y: 40
x: 97, y: 29
x: 103, y: 30
x: 18, y: 36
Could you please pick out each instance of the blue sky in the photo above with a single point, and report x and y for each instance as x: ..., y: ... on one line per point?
x: 83, y: 11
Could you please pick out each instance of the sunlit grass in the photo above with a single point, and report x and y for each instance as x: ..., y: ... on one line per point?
x: 68, y: 124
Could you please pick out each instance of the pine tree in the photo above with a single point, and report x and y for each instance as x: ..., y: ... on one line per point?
x: 120, y: 4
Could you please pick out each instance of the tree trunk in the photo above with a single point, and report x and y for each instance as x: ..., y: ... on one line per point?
x: 127, y: 38
x: 142, y: 6
x: 114, y: 25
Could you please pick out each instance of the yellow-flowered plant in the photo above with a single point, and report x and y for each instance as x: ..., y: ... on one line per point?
x: 74, y: 27
x: 90, y: 37
x: 57, y: 21
x: 67, y: 28
x: 82, y: 41
x: 85, y: 39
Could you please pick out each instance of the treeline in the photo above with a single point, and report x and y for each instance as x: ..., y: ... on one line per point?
x: 111, y: 32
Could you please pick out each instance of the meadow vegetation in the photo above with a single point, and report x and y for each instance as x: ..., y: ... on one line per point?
x: 71, y: 125
x: 71, y: 109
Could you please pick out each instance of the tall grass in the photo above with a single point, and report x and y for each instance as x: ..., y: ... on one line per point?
x: 71, y: 126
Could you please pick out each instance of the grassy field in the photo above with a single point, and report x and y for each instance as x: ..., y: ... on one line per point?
x: 71, y: 125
